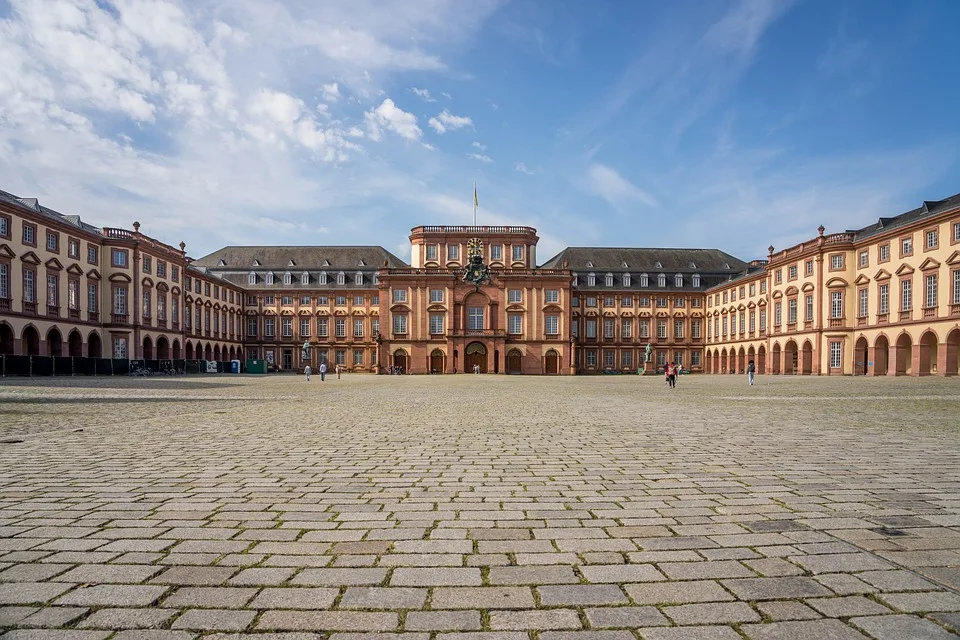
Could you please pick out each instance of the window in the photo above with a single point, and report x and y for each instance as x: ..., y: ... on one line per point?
x: 119, y: 258
x: 930, y: 291
x: 678, y: 358
x: 268, y: 326
x: 836, y: 355
x: 29, y: 234
x: 575, y: 329
x: 763, y: 286
x: 175, y: 273
x: 808, y: 312
x: 883, y: 253
x: 120, y: 301
x: 552, y: 324
x: 753, y: 321
x: 696, y: 280
x: 268, y: 300
x: 305, y: 278
x: 608, y: 359
x: 863, y: 301
x: 161, y: 306
x: 120, y: 348
x: 553, y: 296
x: 931, y: 239
x: 644, y: 328
x: 161, y: 269
x: 340, y: 327
x: 375, y: 300
x: 626, y: 301
x: 147, y: 264
x: 305, y: 301
x: 340, y: 356
x: 626, y: 359
x: 53, y: 241
x: 358, y: 327
x: 956, y: 232
x: 836, y: 262
x: 956, y: 286
x: 661, y: 302
x: 431, y: 252
x: 678, y: 280
x: 906, y: 295
x: 753, y: 290
x: 436, y: 324
x: 251, y: 278
x: 777, y: 314
x: 399, y: 295
x: 662, y: 280
x: 251, y: 327
x: 608, y: 328
x: 792, y: 273
x: 836, y: 304
x: 514, y: 324
x: 733, y: 295
x: 591, y: 301
x: 626, y: 328
x: 695, y: 329
x: 358, y: 301
x: 778, y: 276
x: 608, y: 301
x: 906, y: 246
x: 269, y: 277
x: 625, y: 279
x: 496, y: 252
x: 323, y: 278
x: 175, y: 309
x: 453, y: 251
x: 591, y: 279
x: 304, y: 327
x: 358, y: 278
x: 93, y: 298
x: 400, y: 323
x: 644, y: 280
x: 591, y: 329
x: 883, y: 294
x: 287, y: 278
x: 864, y: 258
x: 591, y: 358
x: 608, y: 280
x: 792, y: 312
x: 436, y: 295
x: 517, y: 252
x: 733, y: 324
x: 5, y: 227
x: 661, y: 328
x: 475, y: 318
x: 286, y: 300
x: 763, y: 319
x: 661, y: 358
x: 679, y: 302
x: 73, y: 249
x: 146, y: 303
x: 809, y: 267
x: 515, y: 295
x: 678, y: 329
x: 695, y: 358
x: 286, y: 327
x: 357, y: 357
x: 92, y: 254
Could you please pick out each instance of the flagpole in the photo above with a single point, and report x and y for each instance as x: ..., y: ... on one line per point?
x: 475, y: 203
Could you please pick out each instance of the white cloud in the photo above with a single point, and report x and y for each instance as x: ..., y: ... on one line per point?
x: 477, y: 145
x: 612, y: 187
x: 331, y: 92
x: 390, y: 117
x: 522, y: 168
x: 481, y: 157
x: 446, y: 121
x: 423, y: 93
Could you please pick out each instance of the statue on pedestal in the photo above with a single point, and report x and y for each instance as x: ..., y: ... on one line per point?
x: 305, y: 352
x: 648, y: 353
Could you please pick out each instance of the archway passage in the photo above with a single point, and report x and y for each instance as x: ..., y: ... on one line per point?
x: 551, y: 363
x: 147, y: 348
x: 6, y: 339
x: 54, y: 343
x: 216, y: 353
x: 860, y: 357
x: 208, y: 352
x: 762, y: 359
x: 790, y: 358
x: 75, y: 344
x: 904, y: 355
x: 741, y: 361
x: 232, y: 354
x: 708, y: 364
x: 400, y: 360
x: 806, y: 360
x: 514, y: 361
x: 953, y: 353
x: 189, y: 353
x: 94, y: 346
x: 775, y: 353
x: 436, y: 361
x: 716, y: 361
x: 881, y: 356
x: 723, y: 361
x: 30, y: 342
x: 928, y: 354
x: 163, y: 348
x: 475, y: 355
x: 176, y: 350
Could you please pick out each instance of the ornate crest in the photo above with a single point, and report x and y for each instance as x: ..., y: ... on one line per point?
x: 476, y: 273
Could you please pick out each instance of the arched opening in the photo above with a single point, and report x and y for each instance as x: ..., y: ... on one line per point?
x: 75, y: 344
x: 716, y: 361
x: 903, y: 355
x: 208, y: 352
x: 708, y: 362
x: 436, y: 361
x: 54, y: 343
x: 881, y: 356
x: 860, y: 357
x: 163, y: 348
x: 189, y: 351
x: 762, y: 359
x: 723, y: 361
x: 475, y: 358
x: 6, y: 339
x: 806, y: 359
x: 94, y: 346
x: 216, y: 353
x: 233, y: 354
x: 953, y: 353
x: 496, y: 361
x: 790, y: 358
x: 400, y: 360
x: 741, y: 361
x: 176, y: 350
x: 551, y: 363
x: 775, y: 353
x: 30, y: 342
x: 147, y: 348
x: 514, y: 361
x: 928, y: 354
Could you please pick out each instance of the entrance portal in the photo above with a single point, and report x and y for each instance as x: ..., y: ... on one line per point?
x: 514, y: 361
x: 551, y: 363
x: 475, y: 355
x: 436, y: 361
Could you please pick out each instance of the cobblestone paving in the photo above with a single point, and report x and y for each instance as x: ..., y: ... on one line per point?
x: 474, y: 507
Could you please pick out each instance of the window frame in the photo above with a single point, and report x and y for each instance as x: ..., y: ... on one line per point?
x: 33, y: 232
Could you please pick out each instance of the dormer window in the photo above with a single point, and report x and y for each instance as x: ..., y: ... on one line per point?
x: 591, y: 279
x: 251, y: 278
x: 589, y: 265
x: 323, y: 277
x: 623, y: 265
x: 358, y: 278
x: 644, y: 280
x: 287, y: 278
x: 291, y: 263
x: 361, y: 264
x: 696, y: 279
x: 376, y: 278
x: 678, y: 280
x: 256, y: 263
x: 726, y: 266
x: 221, y: 263
x: 269, y: 277
x: 661, y: 279
x: 626, y: 279
x: 658, y: 265
x: 609, y: 280
x: 304, y: 278
x: 341, y: 277
x: 326, y: 263
x: 576, y: 280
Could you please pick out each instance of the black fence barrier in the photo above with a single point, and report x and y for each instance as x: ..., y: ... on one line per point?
x: 11, y: 365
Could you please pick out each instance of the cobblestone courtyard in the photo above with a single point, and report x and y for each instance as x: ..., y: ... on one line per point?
x: 464, y: 507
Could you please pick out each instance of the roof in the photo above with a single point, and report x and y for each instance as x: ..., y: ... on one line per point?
x: 928, y: 209
x: 282, y: 258
x: 34, y: 205
x: 646, y: 260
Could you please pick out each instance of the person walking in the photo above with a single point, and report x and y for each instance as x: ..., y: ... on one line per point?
x: 672, y: 375
x: 306, y: 372
x: 323, y: 371
x: 751, y: 370
x: 339, y: 371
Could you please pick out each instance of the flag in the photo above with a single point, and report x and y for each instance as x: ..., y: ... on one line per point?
x: 476, y: 202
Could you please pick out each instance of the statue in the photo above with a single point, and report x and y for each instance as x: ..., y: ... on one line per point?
x: 305, y: 353
x: 476, y: 273
x: 647, y: 352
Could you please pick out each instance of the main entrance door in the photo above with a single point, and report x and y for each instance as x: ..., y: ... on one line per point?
x: 514, y: 358
x: 475, y: 354
x: 436, y: 361
x: 288, y: 358
x: 552, y: 362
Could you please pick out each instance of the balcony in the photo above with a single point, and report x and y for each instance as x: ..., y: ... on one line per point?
x: 486, y: 333
x: 93, y: 316
x: 119, y: 318
x: 4, y: 304
x: 836, y: 323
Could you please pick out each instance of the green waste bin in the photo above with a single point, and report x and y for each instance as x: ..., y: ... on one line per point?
x: 256, y: 366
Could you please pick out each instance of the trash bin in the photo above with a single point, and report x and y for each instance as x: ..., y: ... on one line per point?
x: 256, y: 366
x: 234, y: 366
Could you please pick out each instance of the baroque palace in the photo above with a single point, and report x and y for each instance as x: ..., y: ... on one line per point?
x: 882, y: 300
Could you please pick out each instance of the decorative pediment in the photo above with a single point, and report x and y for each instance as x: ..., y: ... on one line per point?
x: 552, y: 308
x: 251, y: 312
x: 30, y: 258
x: 752, y: 305
x: 188, y: 299
x: 777, y: 295
x: 217, y: 307
x: 904, y: 270
x: 438, y: 307
x: 662, y: 314
x: 269, y: 312
x: 286, y: 312
x: 591, y: 313
x: 807, y: 287
x: 399, y: 307
x: 163, y: 287
x: 861, y: 280
x: 175, y: 290
x: 834, y: 283
x: 645, y: 314
x: 762, y: 303
x: 357, y: 312
x: 432, y: 264
x: 75, y: 270
x: 696, y: 314
x: 340, y: 312
x: 624, y: 313
x: 53, y: 264
x: 93, y: 274
x: 954, y: 258
x: 929, y: 263
x: 323, y: 312
x: 6, y: 252
x: 146, y: 282
x: 515, y: 306
x: 304, y: 312
x: 609, y: 314
x: 120, y: 277
x: 883, y: 274
x: 741, y: 307
x: 207, y: 304
x: 374, y: 312
x: 791, y: 291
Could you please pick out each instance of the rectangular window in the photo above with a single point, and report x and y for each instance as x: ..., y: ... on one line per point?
x: 644, y: 328
x: 608, y: 359
x: 575, y: 329
x: 161, y: 306
x: 120, y: 348
x: 678, y: 329
x: 496, y: 252
x: 286, y: 301
x: 322, y: 327
x: 304, y: 327
x: 93, y: 298
x: 515, y: 296
x: 695, y: 358
x: 453, y: 251
x: 340, y: 327
x: 956, y: 287
x: 120, y: 301
x: 53, y: 241
x: 777, y: 314
x: 733, y: 325
x: 5, y: 227
x: 836, y: 262
x: 175, y: 273
x: 269, y: 327
x: 662, y: 302
x: 608, y: 328
x: 517, y: 253
x: 92, y: 254
x: 661, y: 358
x: 375, y: 300
x: 864, y: 258
x: 341, y: 356
x: 808, y: 267
x: 29, y: 286
x: 357, y: 357
x: 930, y: 287
x: 753, y: 290
x: 626, y: 328
x: 753, y: 321
x: 883, y: 253
x: 808, y: 311
x: 626, y: 301
x: 608, y: 301
x: 661, y: 328
x: 375, y: 327
x: 515, y: 324
x: 29, y: 234
x: 358, y: 327
x: 552, y: 325
x: 146, y: 304
x: 763, y: 319
x: 591, y: 358
x: 763, y: 286
x: 400, y: 323
x: 695, y: 329
x: 778, y: 276
x: 436, y: 295
x: 591, y: 329
x: 883, y: 294
x: 863, y: 302
x: 906, y: 295
x: 53, y: 291
x: 305, y: 301
x: 147, y: 264
x: 836, y: 355
x: 591, y: 301
x: 431, y: 252
x: 906, y: 246
x: 119, y: 258
x: 251, y: 327
x: 553, y: 296
x: 73, y: 248
x: 357, y: 301
x: 286, y: 326
x: 161, y: 269
x: 399, y: 295
x: 436, y: 324
x: 175, y: 309
x: 475, y: 318
x: 626, y: 359
x: 836, y: 304
x: 791, y: 312
x: 792, y: 274
x: 931, y: 239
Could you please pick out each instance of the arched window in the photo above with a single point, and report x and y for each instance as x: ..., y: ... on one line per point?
x: 287, y: 278
x: 341, y: 278
x: 591, y: 279
x: 696, y: 279
x: 608, y: 280
x: 304, y: 278
x: 358, y: 278
x: 576, y: 280
x: 661, y: 280
x: 269, y: 277
x: 251, y: 278
x: 626, y: 279
x: 323, y: 277
x: 678, y: 280
x: 644, y: 280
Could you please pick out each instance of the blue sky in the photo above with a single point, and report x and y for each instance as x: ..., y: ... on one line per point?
x: 699, y: 124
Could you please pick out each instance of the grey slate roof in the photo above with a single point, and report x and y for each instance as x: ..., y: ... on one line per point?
x: 278, y: 259
x: 34, y: 205
x: 672, y: 261
x: 928, y: 209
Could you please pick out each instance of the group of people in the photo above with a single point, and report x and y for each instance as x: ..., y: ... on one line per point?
x: 322, y: 370
x: 672, y: 371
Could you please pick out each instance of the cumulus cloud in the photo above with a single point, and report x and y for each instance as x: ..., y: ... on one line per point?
x: 331, y: 92
x: 446, y: 121
x: 477, y: 145
x: 423, y: 93
x: 388, y: 116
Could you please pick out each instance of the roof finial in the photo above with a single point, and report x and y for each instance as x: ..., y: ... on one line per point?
x: 136, y: 226
x: 183, y: 246
x: 821, y: 229
x: 770, y: 250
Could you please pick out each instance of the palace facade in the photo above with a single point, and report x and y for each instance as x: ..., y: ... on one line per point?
x: 880, y: 300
